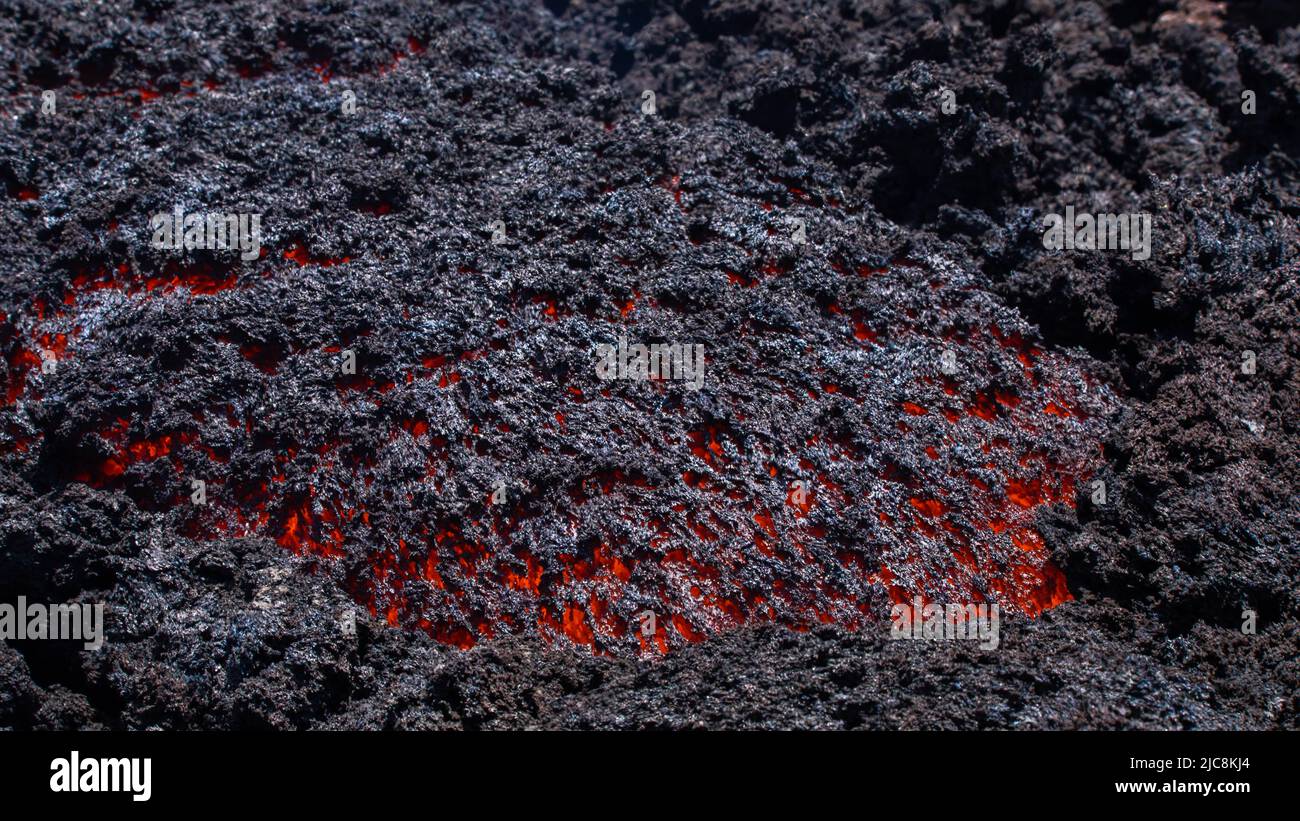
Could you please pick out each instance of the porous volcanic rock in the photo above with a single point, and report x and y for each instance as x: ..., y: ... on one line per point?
x: 905, y: 394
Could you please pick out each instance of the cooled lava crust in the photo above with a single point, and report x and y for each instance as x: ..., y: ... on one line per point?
x: 909, y: 397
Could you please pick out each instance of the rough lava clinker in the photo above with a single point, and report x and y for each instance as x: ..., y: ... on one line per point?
x: 475, y: 365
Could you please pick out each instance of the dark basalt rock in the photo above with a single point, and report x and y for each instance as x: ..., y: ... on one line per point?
x: 369, y: 495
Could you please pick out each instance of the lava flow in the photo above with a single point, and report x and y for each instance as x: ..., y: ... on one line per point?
x: 906, y: 476
x: 424, y: 421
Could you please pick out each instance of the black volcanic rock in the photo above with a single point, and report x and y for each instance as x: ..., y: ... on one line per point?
x: 351, y: 552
